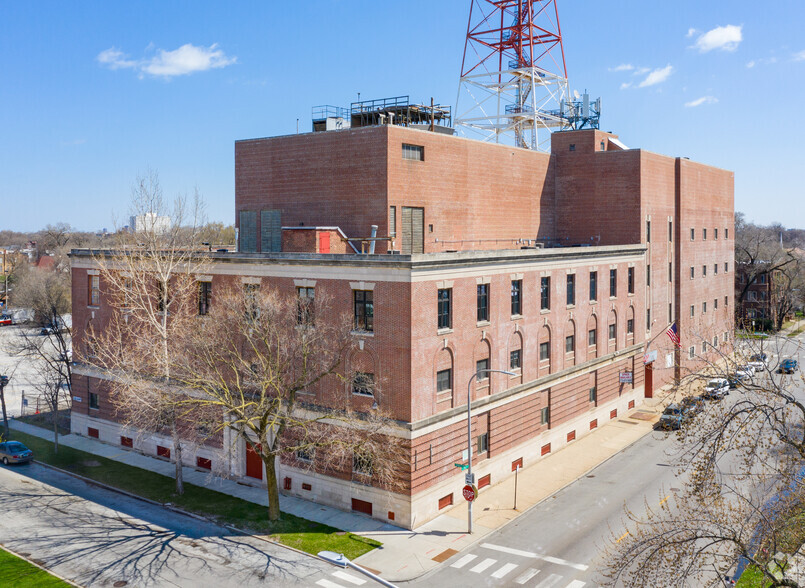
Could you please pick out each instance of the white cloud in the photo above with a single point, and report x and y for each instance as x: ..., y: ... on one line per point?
x: 625, y: 85
x: 641, y: 71
x: 799, y: 56
x: 761, y: 61
x: 657, y: 76
x: 185, y: 60
x: 700, y: 101
x: 691, y: 32
x: 622, y: 67
x: 725, y: 38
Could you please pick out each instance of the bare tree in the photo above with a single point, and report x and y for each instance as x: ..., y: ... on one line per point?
x: 278, y: 381
x: 741, y: 492
x: 150, y: 278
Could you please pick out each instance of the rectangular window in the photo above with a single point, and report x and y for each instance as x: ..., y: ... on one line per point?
x: 94, y: 288
x: 413, y: 152
x: 692, y: 310
x: 204, y: 297
x: 482, y: 369
x: 93, y: 400
x: 613, y: 283
x: 715, y: 303
x: 517, y: 297
x: 648, y: 231
x: 593, y: 394
x: 483, y: 443
x: 692, y: 234
x: 715, y: 233
x: 591, y: 337
x: 364, y: 310
x: 704, y: 234
x: 570, y: 343
x: 251, y: 304
x: 726, y: 300
x: 692, y: 272
x: 648, y: 319
x: 726, y: 233
x: 544, y: 351
x: 648, y: 275
x: 392, y: 221
x: 483, y: 302
x: 630, y: 280
x: 704, y: 307
x: 670, y: 312
x: 571, y: 289
x: 362, y: 463
x: 704, y: 271
x: 444, y: 312
x: 545, y: 415
x: 305, y: 305
x: 363, y: 384
x: 715, y: 269
x: 670, y: 272
x: 545, y: 293
x: 593, y: 286
x: 515, y: 359
x: 305, y: 454
x: 692, y: 352
x: 612, y: 332
x: 670, y: 230
x: 444, y: 380
x: 726, y: 267
x: 629, y: 326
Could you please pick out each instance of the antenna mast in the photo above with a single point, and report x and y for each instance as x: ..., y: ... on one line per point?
x: 513, y: 74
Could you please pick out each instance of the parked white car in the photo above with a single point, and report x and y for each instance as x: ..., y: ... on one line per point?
x: 716, y: 389
x: 758, y: 362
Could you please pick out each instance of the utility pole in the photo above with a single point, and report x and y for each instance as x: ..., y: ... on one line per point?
x: 3, y: 383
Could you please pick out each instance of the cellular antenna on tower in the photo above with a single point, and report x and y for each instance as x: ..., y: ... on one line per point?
x: 513, y: 83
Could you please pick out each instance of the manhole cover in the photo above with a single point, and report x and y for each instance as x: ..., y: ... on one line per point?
x: 120, y: 584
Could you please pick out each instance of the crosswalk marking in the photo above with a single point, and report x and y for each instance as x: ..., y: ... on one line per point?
x: 504, y: 570
x: 576, y: 584
x: 551, y: 580
x: 349, y: 578
x: 547, y: 558
x: 526, y: 576
x: 327, y: 584
x: 463, y: 561
x: 483, y: 565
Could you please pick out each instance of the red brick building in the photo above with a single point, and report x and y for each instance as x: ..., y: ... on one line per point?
x: 563, y: 268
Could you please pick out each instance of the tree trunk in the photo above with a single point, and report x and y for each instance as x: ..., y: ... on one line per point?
x: 273, y: 490
x: 177, y: 450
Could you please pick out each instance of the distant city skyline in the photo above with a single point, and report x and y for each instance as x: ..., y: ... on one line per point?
x: 95, y: 94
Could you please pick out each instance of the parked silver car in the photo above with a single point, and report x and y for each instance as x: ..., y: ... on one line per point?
x: 15, y: 452
x: 716, y: 389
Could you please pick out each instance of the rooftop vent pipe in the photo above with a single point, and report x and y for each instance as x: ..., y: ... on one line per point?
x: 372, y: 243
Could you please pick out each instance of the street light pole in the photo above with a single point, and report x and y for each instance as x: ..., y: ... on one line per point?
x: 469, y: 435
x: 3, y: 382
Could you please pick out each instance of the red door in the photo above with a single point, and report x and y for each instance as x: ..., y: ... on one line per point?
x: 649, y: 383
x: 254, y: 465
x: 324, y: 242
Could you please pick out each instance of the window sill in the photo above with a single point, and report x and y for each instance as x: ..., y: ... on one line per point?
x: 93, y: 307
x: 444, y: 331
x: 545, y: 311
x: 593, y: 301
x: 517, y: 317
x: 571, y: 306
x: 630, y: 294
x: 482, y: 324
x: 613, y: 297
x: 360, y: 333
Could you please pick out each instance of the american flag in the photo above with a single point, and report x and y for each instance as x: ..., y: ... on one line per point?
x: 673, y: 333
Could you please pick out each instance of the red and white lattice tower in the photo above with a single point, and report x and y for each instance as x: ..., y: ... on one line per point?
x: 513, y: 74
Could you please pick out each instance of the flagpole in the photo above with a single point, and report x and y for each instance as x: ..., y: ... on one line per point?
x: 663, y: 332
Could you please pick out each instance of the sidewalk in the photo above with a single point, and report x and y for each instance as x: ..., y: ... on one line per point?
x: 405, y: 554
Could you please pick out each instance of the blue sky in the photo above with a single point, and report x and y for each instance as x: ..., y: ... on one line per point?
x: 94, y: 93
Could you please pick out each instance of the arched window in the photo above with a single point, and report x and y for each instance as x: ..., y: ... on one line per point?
x: 545, y: 351
x: 570, y: 343
x: 592, y: 337
x: 444, y: 379
x: 612, y: 332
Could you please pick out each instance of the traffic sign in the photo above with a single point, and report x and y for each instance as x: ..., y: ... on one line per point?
x: 470, y: 492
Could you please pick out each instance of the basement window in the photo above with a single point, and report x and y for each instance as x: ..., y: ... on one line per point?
x: 572, y: 146
x: 413, y: 152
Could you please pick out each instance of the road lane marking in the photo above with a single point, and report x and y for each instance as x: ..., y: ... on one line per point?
x: 526, y: 576
x: 551, y: 580
x: 328, y: 584
x: 349, y: 578
x: 576, y: 584
x: 483, y: 565
x: 504, y: 570
x: 622, y: 537
x: 664, y: 499
x: 463, y: 561
x: 549, y: 559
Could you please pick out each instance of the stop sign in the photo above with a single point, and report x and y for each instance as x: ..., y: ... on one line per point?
x: 470, y: 492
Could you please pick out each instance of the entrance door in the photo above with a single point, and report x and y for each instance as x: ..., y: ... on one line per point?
x: 649, y: 384
x: 413, y: 230
x: 254, y: 465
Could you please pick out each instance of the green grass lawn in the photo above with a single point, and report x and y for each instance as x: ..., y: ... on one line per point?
x: 290, y: 530
x: 17, y: 573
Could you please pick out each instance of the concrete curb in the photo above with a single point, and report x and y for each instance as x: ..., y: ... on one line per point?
x: 36, y: 565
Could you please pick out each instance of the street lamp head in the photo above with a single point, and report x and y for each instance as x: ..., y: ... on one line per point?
x: 334, y: 558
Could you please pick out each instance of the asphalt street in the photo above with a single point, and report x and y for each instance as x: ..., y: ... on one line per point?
x: 96, y: 537
x: 559, y: 542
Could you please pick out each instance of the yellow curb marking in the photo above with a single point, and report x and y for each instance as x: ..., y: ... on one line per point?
x: 622, y: 537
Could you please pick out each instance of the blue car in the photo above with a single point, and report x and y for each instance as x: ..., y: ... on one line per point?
x: 788, y: 366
